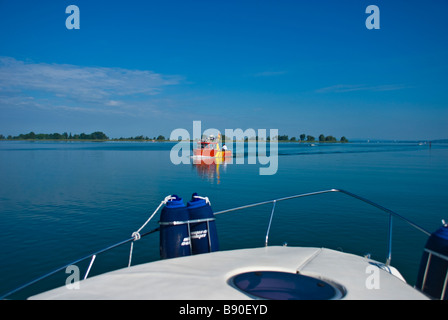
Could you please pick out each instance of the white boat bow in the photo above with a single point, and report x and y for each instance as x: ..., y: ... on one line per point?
x: 209, y: 277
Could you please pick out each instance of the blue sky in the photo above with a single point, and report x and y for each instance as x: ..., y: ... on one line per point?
x: 148, y: 67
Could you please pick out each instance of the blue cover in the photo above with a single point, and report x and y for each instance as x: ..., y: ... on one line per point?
x: 174, y: 239
x: 438, y: 267
x: 202, y: 240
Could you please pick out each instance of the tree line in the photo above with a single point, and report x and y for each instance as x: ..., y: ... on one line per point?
x: 309, y: 138
x: 140, y: 138
x: 98, y: 135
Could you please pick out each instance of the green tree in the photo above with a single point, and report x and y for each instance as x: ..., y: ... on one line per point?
x: 56, y: 136
x: 321, y: 138
x: 160, y: 138
x: 292, y: 139
x: 302, y: 137
x: 98, y: 135
x: 344, y: 139
x: 310, y: 138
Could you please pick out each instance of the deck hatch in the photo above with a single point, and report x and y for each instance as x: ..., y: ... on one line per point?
x: 275, y: 285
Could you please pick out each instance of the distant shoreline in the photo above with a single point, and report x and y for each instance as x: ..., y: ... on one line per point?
x: 99, y: 136
x: 285, y: 142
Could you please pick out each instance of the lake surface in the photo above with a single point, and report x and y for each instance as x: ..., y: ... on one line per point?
x: 60, y: 201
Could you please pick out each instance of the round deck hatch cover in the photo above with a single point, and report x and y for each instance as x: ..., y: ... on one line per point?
x: 275, y: 285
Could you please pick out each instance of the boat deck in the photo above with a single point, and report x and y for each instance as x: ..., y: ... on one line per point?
x: 208, y: 276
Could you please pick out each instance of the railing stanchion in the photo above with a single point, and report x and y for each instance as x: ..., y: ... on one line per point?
x: 389, y: 254
x: 269, y: 225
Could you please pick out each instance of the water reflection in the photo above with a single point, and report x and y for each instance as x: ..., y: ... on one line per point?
x: 211, y: 169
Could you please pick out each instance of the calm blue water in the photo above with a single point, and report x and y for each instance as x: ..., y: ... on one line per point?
x: 61, y: 201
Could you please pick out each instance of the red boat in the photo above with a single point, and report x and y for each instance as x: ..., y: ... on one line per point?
x: 209, y: 148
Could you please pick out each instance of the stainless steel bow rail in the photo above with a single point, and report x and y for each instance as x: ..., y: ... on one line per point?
x: 134, y: 238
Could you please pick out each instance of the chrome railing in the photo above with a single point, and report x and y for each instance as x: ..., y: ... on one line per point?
x: 390, y: 212
x: 431, y: 253
x: 93, y: 256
